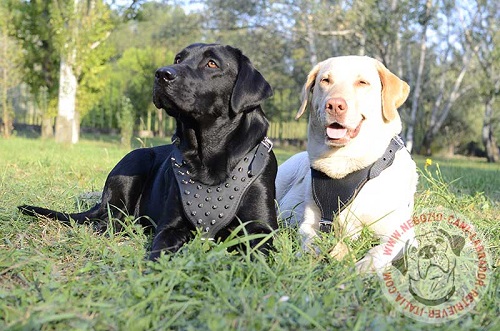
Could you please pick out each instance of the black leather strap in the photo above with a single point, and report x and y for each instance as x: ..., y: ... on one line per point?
x: 333, y: 195
x: 212, y: 207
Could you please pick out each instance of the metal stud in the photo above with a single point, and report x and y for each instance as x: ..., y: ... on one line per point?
x: 234, y: 178
x: 193, y: 213
x: 191, y: 181
x: 240, y: 169
x: 207, y: 213
x: 207, y: 229
x: 172, y: 158
x: 245, y: 159
x: 236, y: 188
x: 184, y: 181
x: 227, y: 185
x: 177, y: 165
x: 214, y: 207
x: 188, y: 203
x: 243, y: 179
x: 180, y: 173
x: 199, y: 187
x: 226, y: 207
x: 218, y: 189
x: 209, y: 190
x: 196, y: 195
x: 200, y: 205
x: 200, y: 221
x: 212, y: 222
x: 221, y: 215
x: 208, y: 199
x: 186, y: 192
x: 231, y: 197
x: 219, y: 199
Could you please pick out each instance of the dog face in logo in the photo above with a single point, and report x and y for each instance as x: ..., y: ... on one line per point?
x: 429, y: 263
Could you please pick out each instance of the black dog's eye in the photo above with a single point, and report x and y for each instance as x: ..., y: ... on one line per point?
x: 212, y: 64
x: 177, y: 60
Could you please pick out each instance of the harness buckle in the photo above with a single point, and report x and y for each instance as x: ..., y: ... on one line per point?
x: 399, y: 140
x: 267, y: 143
x: 325, y: 225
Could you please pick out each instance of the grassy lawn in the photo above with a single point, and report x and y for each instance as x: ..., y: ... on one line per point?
x: 55, y: 277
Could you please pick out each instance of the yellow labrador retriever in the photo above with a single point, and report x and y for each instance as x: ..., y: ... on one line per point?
x: 356, y: 171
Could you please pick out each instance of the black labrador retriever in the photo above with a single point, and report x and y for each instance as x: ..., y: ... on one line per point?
x: 219, y: 171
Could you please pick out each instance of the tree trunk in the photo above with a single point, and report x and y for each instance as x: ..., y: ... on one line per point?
x: 67, y: 126
x: 425, y: 149
x: 7, y: 127
x: 6, y: 122
x: 438, y: 115
x: 47, y: 127
x: 397, y: 57
x: 418, y: 84
x: 489, y: 141
x: 311, y: 40
x: 161, y: 123
x: 6, y: 116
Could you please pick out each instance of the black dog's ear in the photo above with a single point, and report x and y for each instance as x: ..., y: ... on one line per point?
x: 250, y: 89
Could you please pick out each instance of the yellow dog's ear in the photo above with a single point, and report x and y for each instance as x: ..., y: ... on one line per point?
x: 307, y: 90
x: 394, y: 92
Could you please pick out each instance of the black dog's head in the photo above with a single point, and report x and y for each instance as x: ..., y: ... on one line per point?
x: 214, y: 92
x: 207, y: 79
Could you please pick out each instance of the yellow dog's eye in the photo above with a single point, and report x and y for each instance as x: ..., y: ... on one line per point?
x: 212, y: 64
x: 362, y: 82
x: 325, y: 80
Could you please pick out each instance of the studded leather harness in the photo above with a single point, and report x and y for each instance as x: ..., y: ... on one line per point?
x: 212, y: 207
x: 332, y: 195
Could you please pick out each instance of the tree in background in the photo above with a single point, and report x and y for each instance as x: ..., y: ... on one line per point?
x: 422, y: 41
x: 81, y: 26
x: 10, y: 59
x: 451, y: 63
x: 143, y: 44
x: 483, y: 37
x: 41, y: 61
x: 125, y: 118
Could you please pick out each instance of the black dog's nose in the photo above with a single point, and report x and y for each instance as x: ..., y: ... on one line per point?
x: 166, y: 73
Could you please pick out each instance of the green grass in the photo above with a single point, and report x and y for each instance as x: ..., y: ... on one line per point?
x: 55, y: 277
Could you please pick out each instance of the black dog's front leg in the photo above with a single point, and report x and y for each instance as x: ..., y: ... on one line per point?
x: 170, y: 239
x: 264, y: 244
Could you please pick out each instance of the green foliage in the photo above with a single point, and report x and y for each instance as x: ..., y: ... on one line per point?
x: 94, y: 51
x: 137, y: 67
x: 126, y: 121
x: 57, y: 277
x: 142, y: 45
x: 10, y: 68
x: 48, y: 29
x: 281, y: 38
x: 41, y: 57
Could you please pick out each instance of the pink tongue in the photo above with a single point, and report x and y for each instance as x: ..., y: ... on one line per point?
x: 336, y: 133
